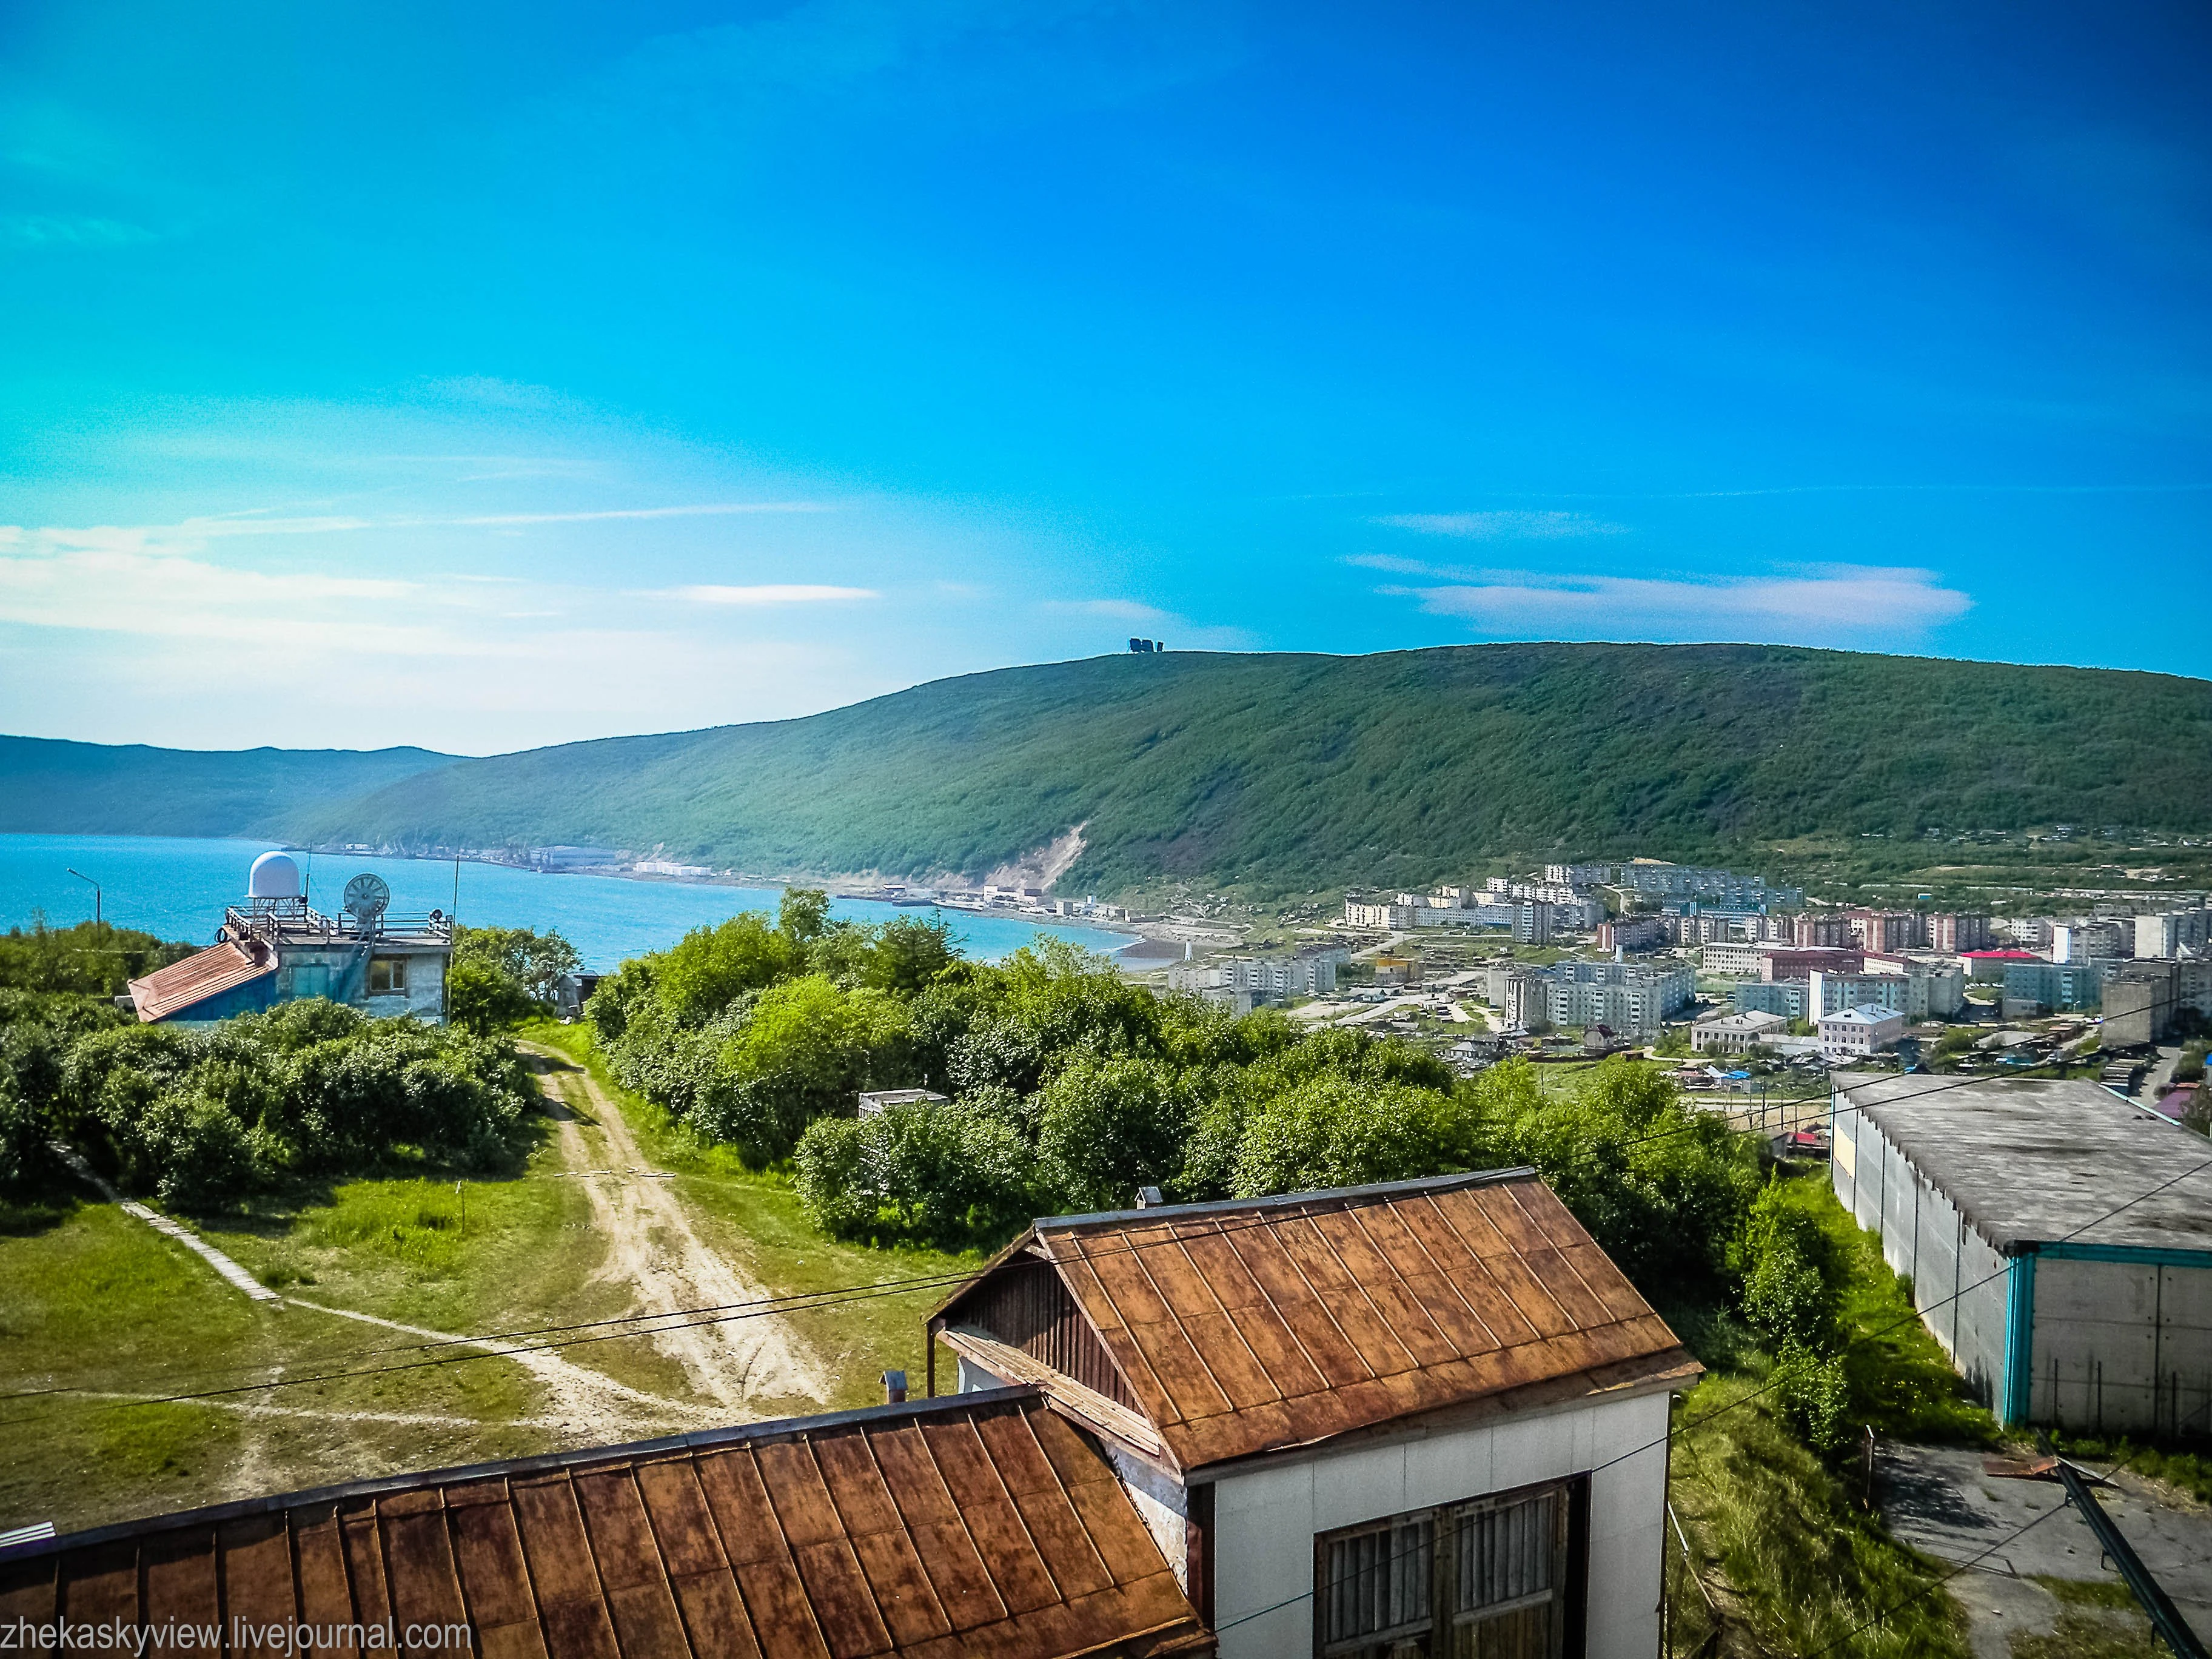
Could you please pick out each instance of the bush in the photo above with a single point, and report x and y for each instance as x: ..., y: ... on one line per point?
x: 201, y: 1118
x: 939, y: 1173
x: 1107, y: 1127
x: 1336, y: 1131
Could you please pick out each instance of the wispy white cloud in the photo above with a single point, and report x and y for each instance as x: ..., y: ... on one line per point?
x: 1129, y: 611
x: 1835, y: 604
x: 1507, y: 525
x: 762, y: 593
x: 705, y: 509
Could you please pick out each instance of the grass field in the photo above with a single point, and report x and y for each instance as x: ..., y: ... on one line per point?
x: 97, y: 1312
x: 756, y: 1219
x: 1780, y: 1540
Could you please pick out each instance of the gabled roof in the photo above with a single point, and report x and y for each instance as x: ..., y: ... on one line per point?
x: 979, y: 1525
x: 1258, y: 1325
x: 169, y: 990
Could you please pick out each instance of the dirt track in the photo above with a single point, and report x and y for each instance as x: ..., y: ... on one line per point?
x: 654, y: 1250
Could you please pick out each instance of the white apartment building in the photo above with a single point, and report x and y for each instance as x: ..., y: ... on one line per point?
x: 2091, y: 940
x: 1390, y: 918
x: 1632, y: 997
x: 1855, y: 1033
x: 2169, y: 934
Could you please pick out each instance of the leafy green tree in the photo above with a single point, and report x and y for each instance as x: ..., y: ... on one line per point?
x: 804, y: 1049
x: 710, y: 968
x: 907, y: 955
x: 1664, y: 1188
x: 1108, y: 1126
x: 1337, y: 1131
x: 90, y: 960
x: 1792, y: 1274
x: 803, y: 915
x: 481, y: 997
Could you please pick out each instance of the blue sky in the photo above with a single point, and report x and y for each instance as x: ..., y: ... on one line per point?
x: 376, y: 374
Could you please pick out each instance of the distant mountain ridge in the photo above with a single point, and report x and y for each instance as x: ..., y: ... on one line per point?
x: 1293, y: 770
x: 54, y: 788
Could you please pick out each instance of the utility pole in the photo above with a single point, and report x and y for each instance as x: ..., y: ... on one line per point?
x: 94, y: 885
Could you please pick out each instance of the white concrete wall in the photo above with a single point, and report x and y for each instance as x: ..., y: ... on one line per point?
x: 2122, y: 1346
x: 1265, y: 1522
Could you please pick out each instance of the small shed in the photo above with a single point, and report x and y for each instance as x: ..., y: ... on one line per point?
x: 875, y: 1102
x: 2058, y: 1240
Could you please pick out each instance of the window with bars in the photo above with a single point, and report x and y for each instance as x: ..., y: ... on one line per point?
x: 1479, y: 1580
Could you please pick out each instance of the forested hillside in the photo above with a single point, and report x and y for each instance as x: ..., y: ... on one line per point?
x: 1305, y: 768
x: 1314, y: 770
x: 99, y: 789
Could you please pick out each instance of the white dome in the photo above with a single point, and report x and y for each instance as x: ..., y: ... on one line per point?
x: 275, y: 876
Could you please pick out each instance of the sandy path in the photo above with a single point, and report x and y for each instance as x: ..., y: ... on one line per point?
x: 654, y: 1248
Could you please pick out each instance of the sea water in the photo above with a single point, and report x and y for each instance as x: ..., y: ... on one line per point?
x: 178, y: 888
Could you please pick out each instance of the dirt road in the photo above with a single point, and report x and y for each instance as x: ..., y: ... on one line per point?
x: 656, y: 1253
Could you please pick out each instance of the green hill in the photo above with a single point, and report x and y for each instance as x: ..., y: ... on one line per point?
x: 1313, y: 770
x: 1291, y: 771
x: 53, y: 787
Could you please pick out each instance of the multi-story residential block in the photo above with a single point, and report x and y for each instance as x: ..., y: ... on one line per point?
x: 1264, y: 979
x: 1853, y: 1033
x: 1731, y: 957
x: 1785, y: 997
x: 2031, y: 987
x: 1580, y: 877
x: 2091, y: 939
x: 1885, y: 930
x: 1532, y: 922
x: 1797, y: 963
x: 2174, y: 932
x: 1631, y: 996
x: 1523, y: 999
x: 1952, y: 932
x: 1829, y: 992
x: 1391, y: 918
x: 1687, y: 881
x: 1633, y: 933
x: 1826, y: 929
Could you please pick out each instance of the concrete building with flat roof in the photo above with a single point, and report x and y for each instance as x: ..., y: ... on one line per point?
x: 1855, y: 1033
x: 2059, y: 1241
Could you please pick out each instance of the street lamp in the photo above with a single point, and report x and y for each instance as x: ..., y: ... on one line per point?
x: 94, y: 885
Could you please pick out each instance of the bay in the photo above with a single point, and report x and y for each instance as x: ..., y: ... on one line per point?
x: 178, y: 888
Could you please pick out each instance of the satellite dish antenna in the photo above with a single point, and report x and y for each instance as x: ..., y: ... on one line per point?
x: 365, y: 898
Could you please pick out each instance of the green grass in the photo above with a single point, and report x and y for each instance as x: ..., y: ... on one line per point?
x: 754, y: 1218
x: 2188, y: 1468
x: 1902, y: 1382
x: 1797, y: 1567
x: 1797, y: 1563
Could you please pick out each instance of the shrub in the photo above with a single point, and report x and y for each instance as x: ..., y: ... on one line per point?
x: 1337, y: 1131
x: 1107, y: 1127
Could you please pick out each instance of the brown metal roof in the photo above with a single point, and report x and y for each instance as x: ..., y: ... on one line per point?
x: 1250, y: 1327
x: 181, y: 984
x: 983, y: 1525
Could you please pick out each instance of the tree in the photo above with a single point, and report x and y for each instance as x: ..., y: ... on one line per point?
x: 1108, y: 1127
x: 803, y: 914
x: 1336, y: 1131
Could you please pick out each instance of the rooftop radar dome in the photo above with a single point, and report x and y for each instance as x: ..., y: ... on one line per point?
x: 273, y: 876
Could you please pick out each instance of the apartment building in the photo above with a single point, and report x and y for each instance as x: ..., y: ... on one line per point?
x: 1634, y: 933
x: 1629, y: 996
x: 1389, y: 918
x: 2034, y: 988
x: 2172, y: 933
x: 2092, y: 939
x: 1785, y: 997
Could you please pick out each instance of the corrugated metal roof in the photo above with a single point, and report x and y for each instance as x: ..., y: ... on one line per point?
x: 168, y: 990
x: 1251, y: 1327
x: 983, y: 1525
